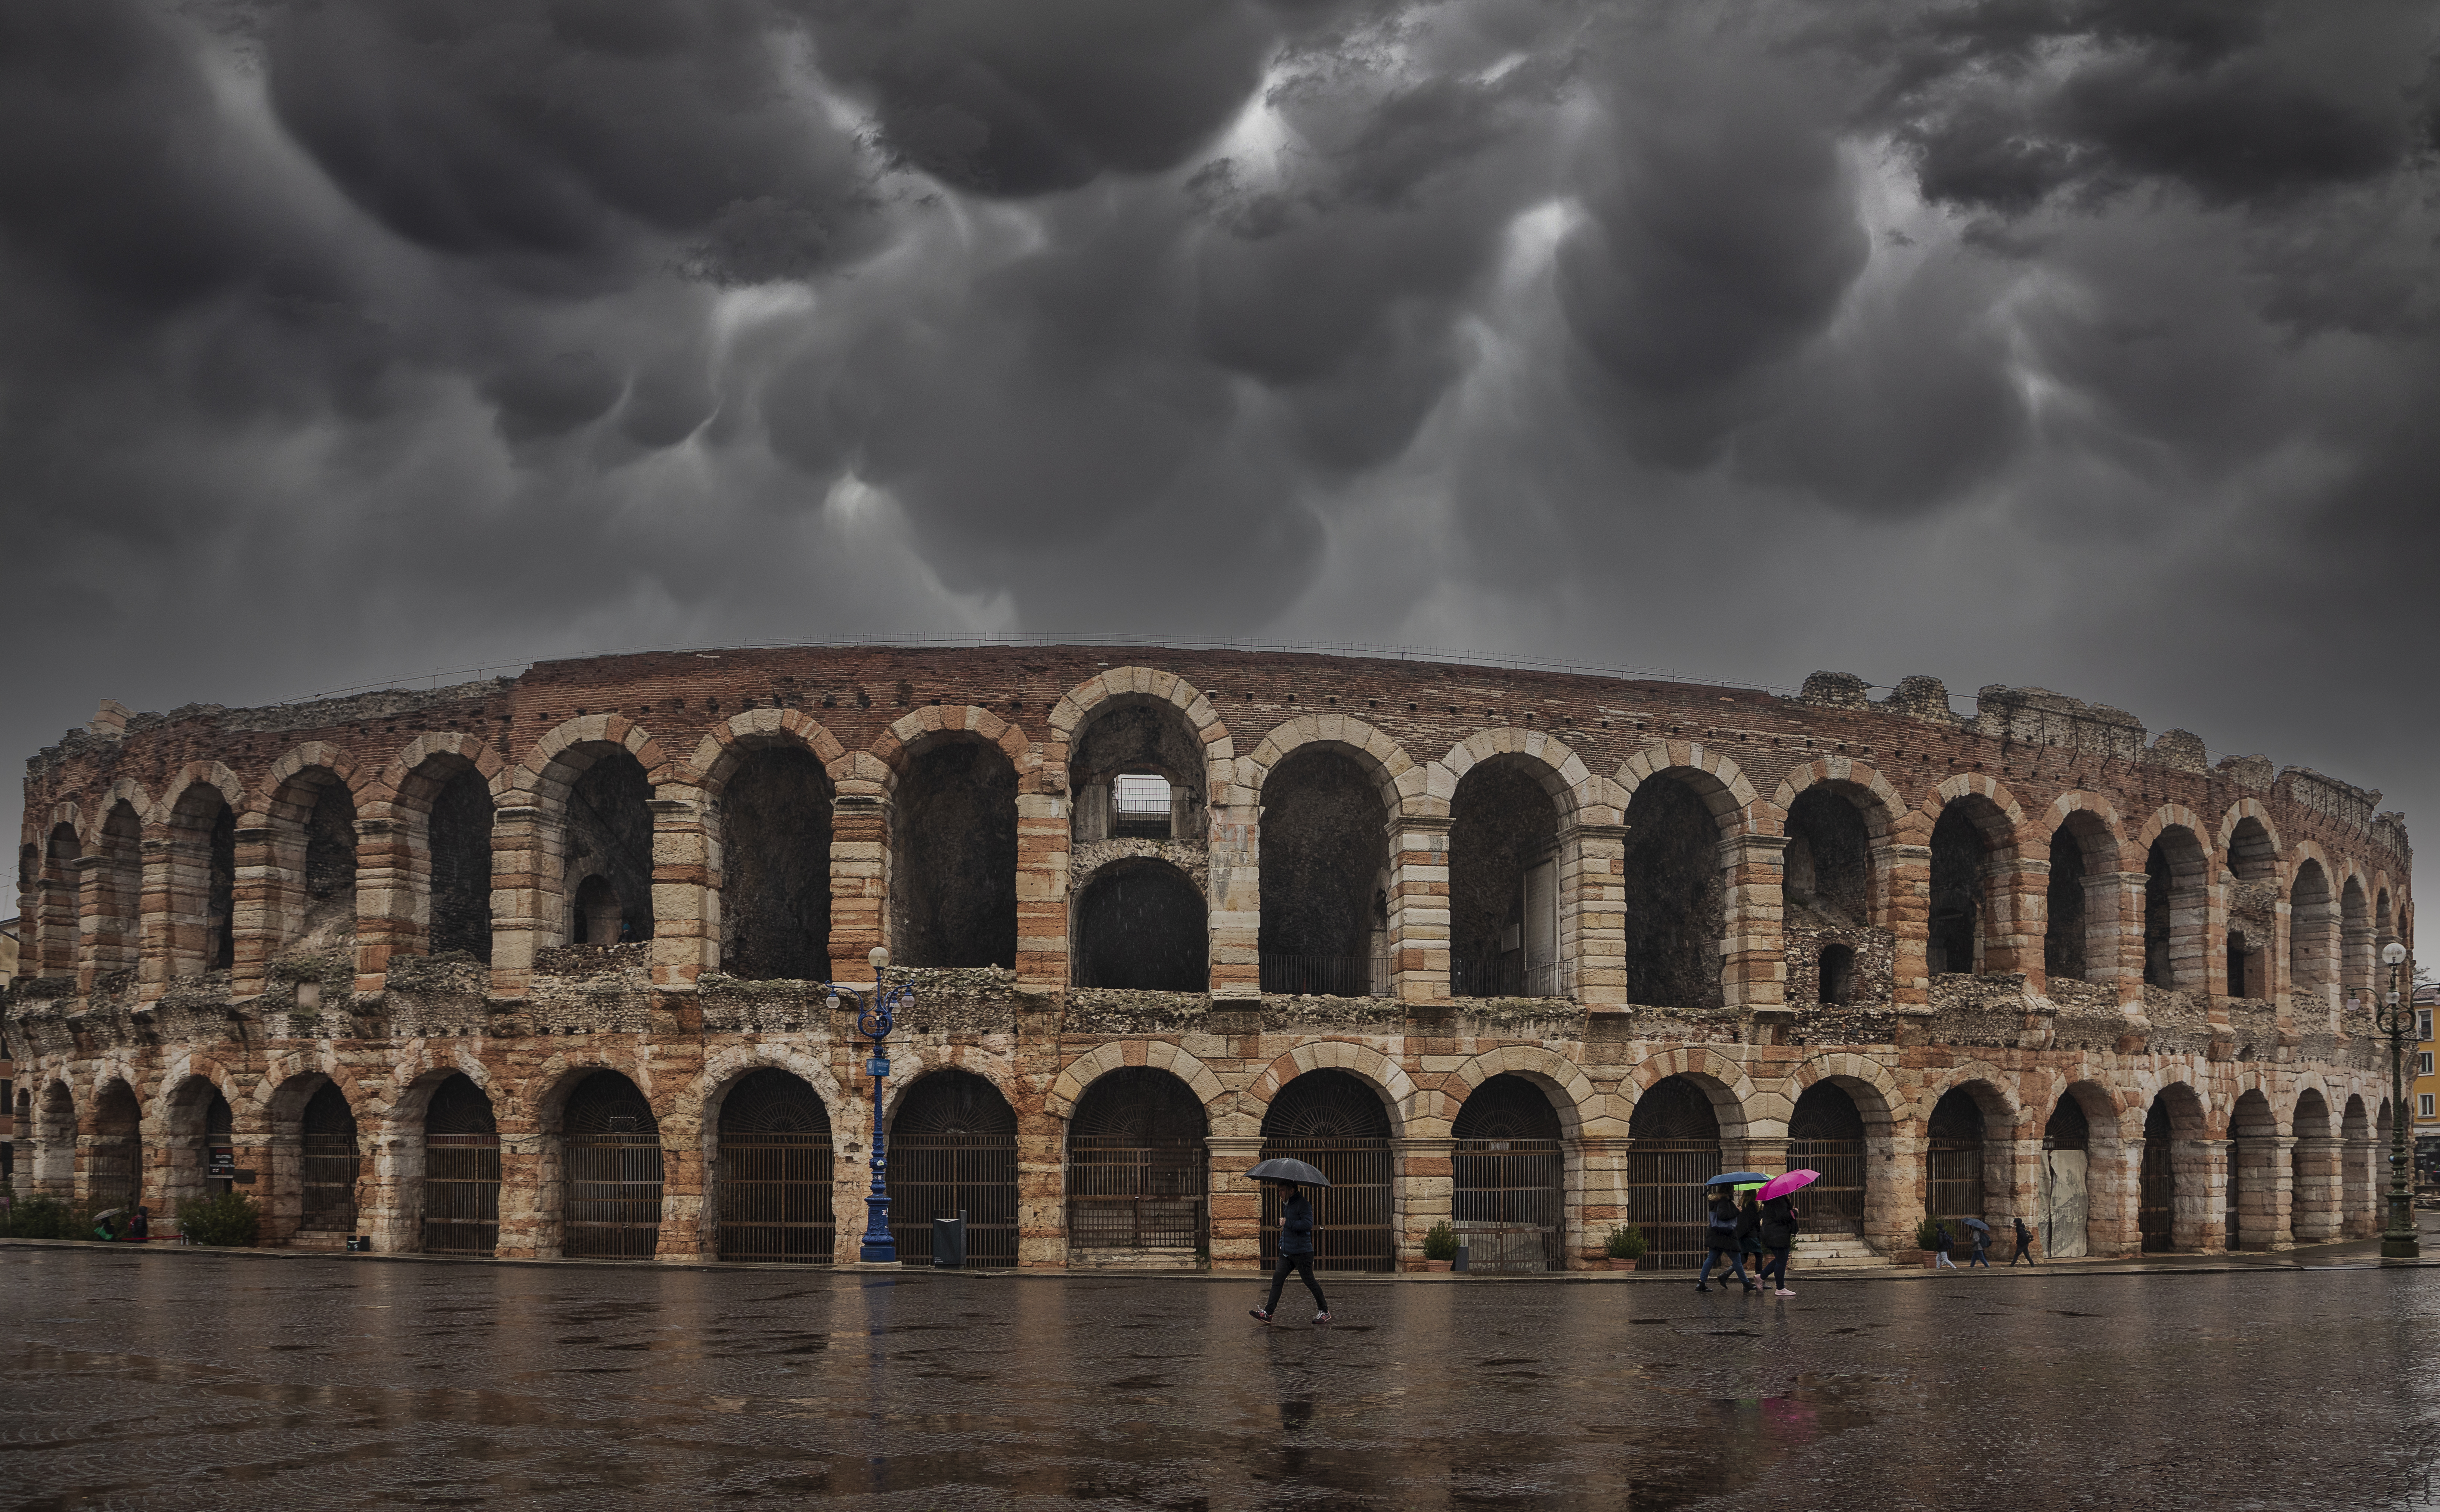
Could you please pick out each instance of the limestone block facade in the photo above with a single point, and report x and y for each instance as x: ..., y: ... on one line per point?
x: 569, y: 963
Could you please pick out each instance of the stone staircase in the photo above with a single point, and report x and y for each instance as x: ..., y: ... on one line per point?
x: 1833, y: 1252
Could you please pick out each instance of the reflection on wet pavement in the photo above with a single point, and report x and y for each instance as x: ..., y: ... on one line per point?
x: 206, y: 1381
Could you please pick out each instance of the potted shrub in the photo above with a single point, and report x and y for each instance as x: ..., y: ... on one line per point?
x: 1440, y: 1246
x: 1625, y: 1247
x: 1926, y: 1235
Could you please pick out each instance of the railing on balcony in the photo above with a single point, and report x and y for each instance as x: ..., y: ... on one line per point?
x: 1318, y: 976
x: 1502, y: 976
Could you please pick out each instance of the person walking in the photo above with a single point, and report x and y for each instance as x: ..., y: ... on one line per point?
x: 1750, y: 1237
x: 1940, y: 1245
x: 1981, y: 1256
x: 1721, y: 1237
x: 2024, y: 1245
x: 1296, y: 1253
x: 1778, y: 1226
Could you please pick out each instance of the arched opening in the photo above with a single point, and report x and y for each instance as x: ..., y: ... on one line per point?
x: 2355, y: 949
x: 2313, y: 1172
x: 775, y: 890
x: 2252, y: 905
x: 199, y: 1143
x: 1829, y: 857
x: 2252, y: 1195
x: 1964, y: 856
x: 2175, y: 915
x: 1676, y: 895
x: 1510, y: 1200
x: 2065, y: 1195
x: 1325, y: 877
x: 1503, y: 861
x: 54, y: 931
x: 2312, y: 935
x: 116, y: 878
x: 459, y: 843
x: 55, y: 1141
x: 777, y: 1184
x: 1835, y: 974
x: 327, y: 1135
x: 1137, y: 1171
x: 953, y: 849
x: 2077, y: 941
x: 613, y: 1145
x: 1673, y: 1148
x: 312, y: 875
x: 1335, y: 1120
x: 953, y: 1150
x: 1956, y: 1185
x: 1832, y: 896
x: 1825, y: 1133
x: 609, y: 860
x: 115, y: 1166
x: 1142, y: 924
x: 462, y: 1170
x: 201, y: 861
x: 2356, y: 1160
x: 1137, y: 772
x: 2175, y: 1172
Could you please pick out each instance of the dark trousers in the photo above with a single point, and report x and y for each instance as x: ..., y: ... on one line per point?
x: 1302, y: 1266
x: 1774, y: 1266
x: 1736, y: 1270
x: 1981, y: 1258
x: 2024, y: 1253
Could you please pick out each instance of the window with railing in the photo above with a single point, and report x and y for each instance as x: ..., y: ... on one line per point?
x: 1139, y: 807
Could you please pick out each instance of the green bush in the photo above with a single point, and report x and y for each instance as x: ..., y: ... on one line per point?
x: 1626, y: 1243
x: 226, y: 1219
x: 1927, y: 1233
x: 45, y: 1217
x: 1441, y: 1243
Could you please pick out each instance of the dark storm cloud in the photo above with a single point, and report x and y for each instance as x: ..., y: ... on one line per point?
x: 2083, y: 342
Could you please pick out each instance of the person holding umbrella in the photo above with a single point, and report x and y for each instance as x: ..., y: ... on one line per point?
x: 1295, y: 1234
x: 1981, y: 1256
x: 1779, y: 1224
x: 1721, y: 1235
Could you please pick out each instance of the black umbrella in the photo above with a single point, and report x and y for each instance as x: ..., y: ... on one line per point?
x: 1296, y: 1172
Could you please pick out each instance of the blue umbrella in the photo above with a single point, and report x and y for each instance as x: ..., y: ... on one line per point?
x: 1737, y: 1179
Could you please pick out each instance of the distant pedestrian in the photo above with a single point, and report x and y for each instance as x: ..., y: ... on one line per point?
x: 1981, y: 1256
x: 2024, y: 1245
x: 1720, y: 1235
x: 1296, y: 1255
x: 1779, y: 1228
x: 139, y: 1226
x: 1942, y: 1243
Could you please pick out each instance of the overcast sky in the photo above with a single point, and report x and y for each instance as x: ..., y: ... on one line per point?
x: 2089, y: 345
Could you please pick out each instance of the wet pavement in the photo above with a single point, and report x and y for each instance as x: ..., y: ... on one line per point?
x: 185, y: 1379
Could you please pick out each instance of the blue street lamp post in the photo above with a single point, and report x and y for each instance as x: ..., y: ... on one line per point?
x: 875, y: 1022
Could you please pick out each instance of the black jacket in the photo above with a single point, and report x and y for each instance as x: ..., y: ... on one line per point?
x: 1296, y: 1225
x: 1942, y: 1242
x: 1777, y: 1223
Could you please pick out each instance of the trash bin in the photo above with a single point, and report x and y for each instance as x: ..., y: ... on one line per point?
x: 949, y: 1242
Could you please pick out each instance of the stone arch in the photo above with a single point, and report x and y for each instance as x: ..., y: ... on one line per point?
x: 2315, y: 1207
x: 1515, y: 867
x: 1327, y: 797
x: 1877, y: 1092
x: 298, y: 760
x: 2083, y: 841
x: 769, y: 842
x: 210, y: 773
x: 559, y: 761
x: 1400, y: 1097
x: 1195, y: 717
x: 428, y: 820
x: 1699, y: 927
x: 1975, y: 829
x: 2083, y: 1202
x: 180, y: 1118
x: 1397, y: 775
x: 110, y: 1139
x: 1741, y: 1112
x: 292, y: 1159
x: 908, y: 1067
x: 125, y: 790
x: 55, y: 1119
x: 560, y: 756
x: 1978, y: 1179
x: 2181, y: 901
x: 2237, y: 813
x: 299, y: 841
x: 1715, y: 777
x: 1582, y: 797
x: 49, y: 943
x: 1584, y: 1111
x: 1068, y: 1087
x: 195, y: 868
x: 708, y: 1093
x: 911, y: 734
x: 720, y: 752
x: 2178, y: 1192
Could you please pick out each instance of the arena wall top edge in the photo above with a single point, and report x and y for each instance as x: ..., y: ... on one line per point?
x: 2046, y: 742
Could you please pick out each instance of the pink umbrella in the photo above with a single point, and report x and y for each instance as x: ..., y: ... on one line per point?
x: 1778, y: 1186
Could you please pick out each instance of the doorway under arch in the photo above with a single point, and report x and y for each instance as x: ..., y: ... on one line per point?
x: 1142, y: 924
x: 462, y: 1170
x: 328, y: 1136
x: 952, y: 1150
x: 1674, y: 1147
x: 777, y: 1183
x: 1333, y: 1120
x: 1137, y: 1171
x: 1825, y: 1133
x: 613, y: 1171
x: 1509, y: 1198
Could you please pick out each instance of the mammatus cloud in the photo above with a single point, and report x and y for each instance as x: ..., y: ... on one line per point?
x: 2088, y: 344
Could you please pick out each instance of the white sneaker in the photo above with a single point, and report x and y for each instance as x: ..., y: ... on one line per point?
x: 1783, y: 1292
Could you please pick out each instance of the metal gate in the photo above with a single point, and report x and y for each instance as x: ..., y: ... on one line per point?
x: 1510, y: 1203
x: 461, y: 1170
x: 1835, y: 1204
x: 1954, y: 1185
x: 1352, y: 1219
x: 952, y: 1150
x: 1124, y: 1195
x: 776, y: 1177
x: 330, y: 1163
x: 1665, y: 1180
x: 2157, y: 1211
x: 614, y: 1172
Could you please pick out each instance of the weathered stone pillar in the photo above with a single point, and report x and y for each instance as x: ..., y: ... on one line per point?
x: 1753, y: 969
x: 2200, y: 1224
x: 2020, y: 888
x: 164, y: 938
x: 2126, y: 892
x: 527, y: 850
x: 2314, y: 1197
x: 1040, y: 1188
x: 2364, y: 1184
x: 1236, y: 892
x: 1419, y: 909
x: 529, y: 1196
x: 1597, y: 1198
x: 1042, y: 849
x: 1237, y: 1202
x: 686, y: 906
x: 859, y: 879
x: 264, y: 898
x: 389, y: 1206
x: 1426, y: 1194
x: 1593, y: 912
x: 682, y: 1193
x: 1910, y: 920
x: 2279, y: 1210
x: 393, y: 897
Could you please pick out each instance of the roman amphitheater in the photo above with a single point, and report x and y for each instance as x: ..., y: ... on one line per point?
x: 545, y: 967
